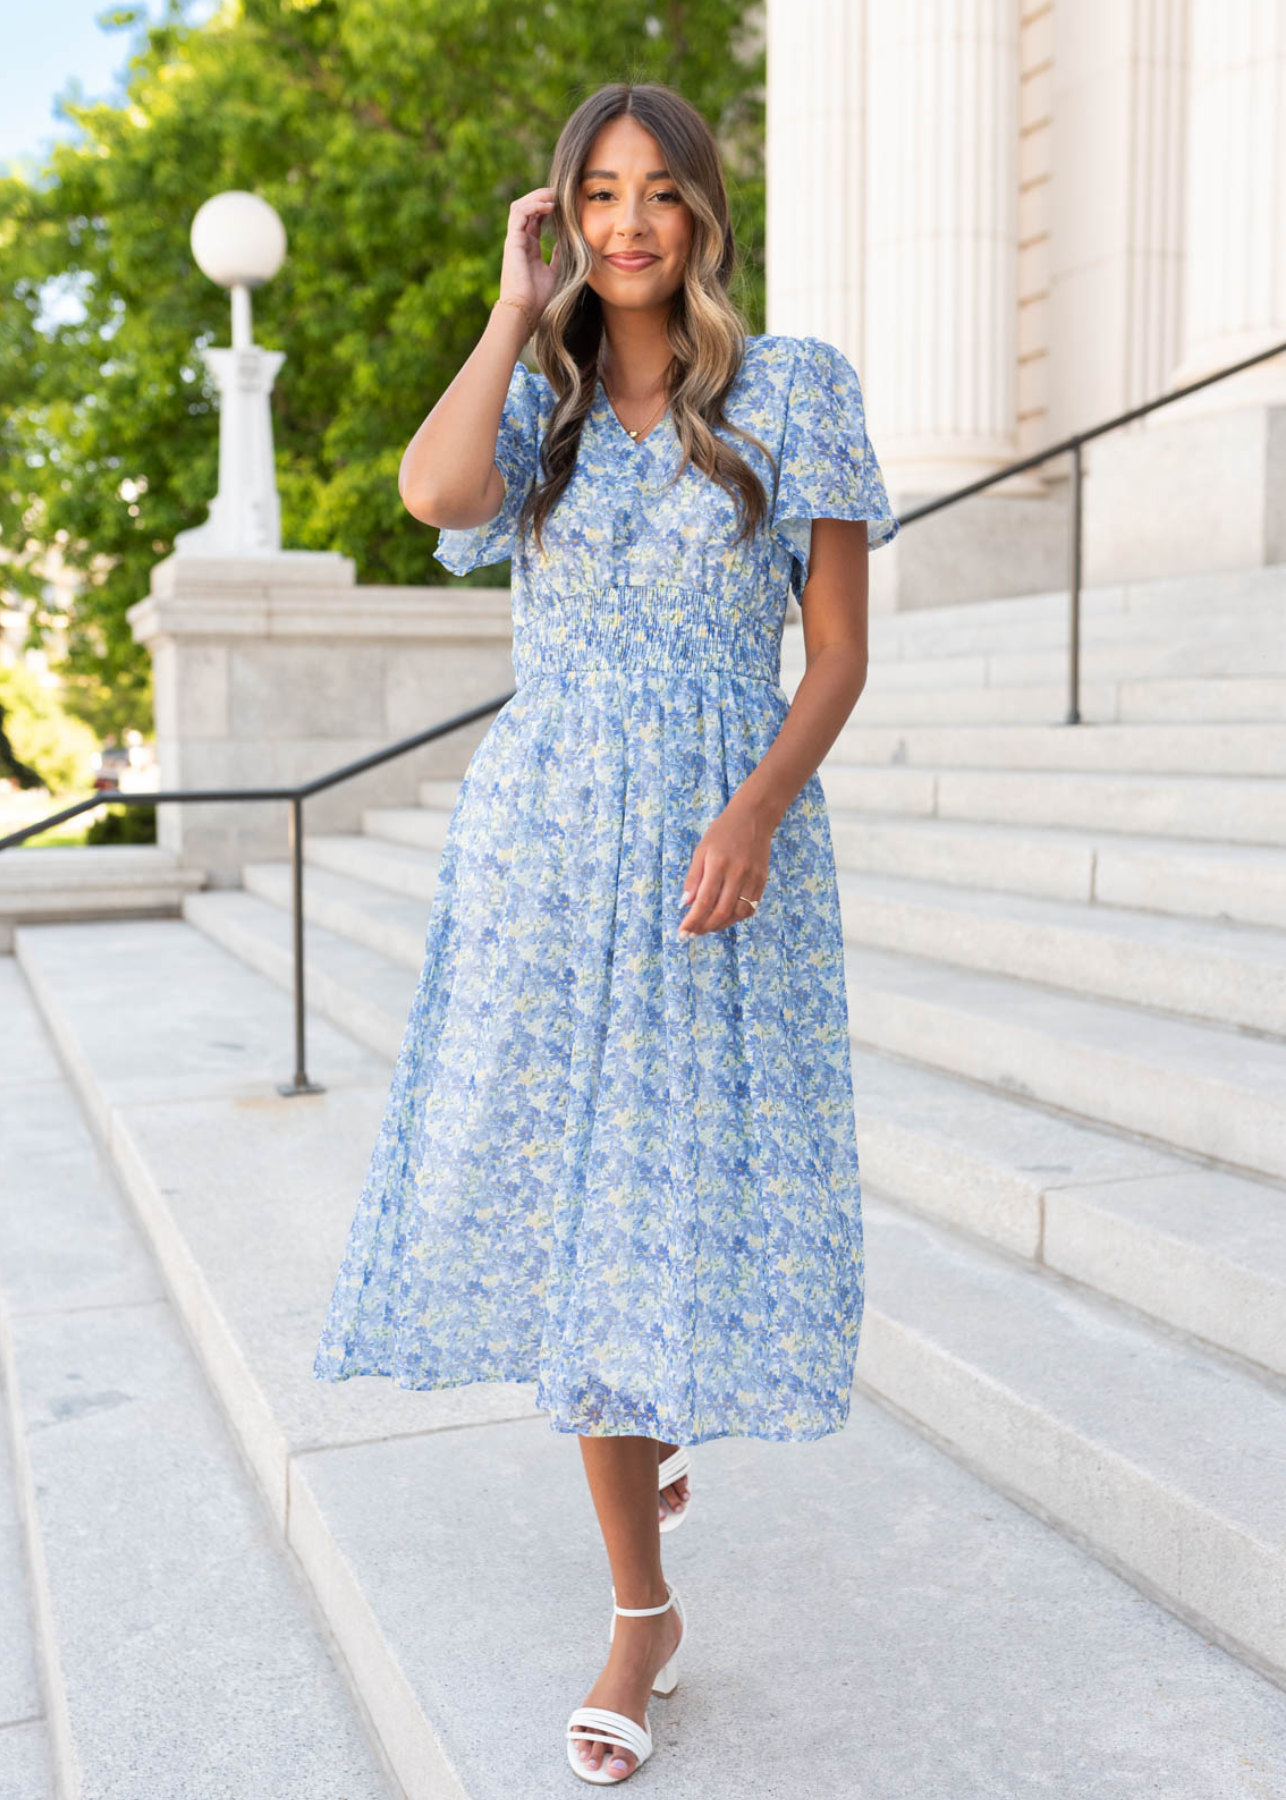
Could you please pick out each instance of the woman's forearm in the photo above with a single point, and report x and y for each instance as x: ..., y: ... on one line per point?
x: 448, y: 475
x: 824, y: 699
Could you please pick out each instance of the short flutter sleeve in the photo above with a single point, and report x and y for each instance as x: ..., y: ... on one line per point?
x: 495, y: 540
x: 828, y: 469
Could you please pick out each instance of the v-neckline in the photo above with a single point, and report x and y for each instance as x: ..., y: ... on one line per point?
x: 633, y: 442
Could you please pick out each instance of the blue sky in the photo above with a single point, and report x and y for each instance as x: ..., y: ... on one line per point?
x: 50, y: 41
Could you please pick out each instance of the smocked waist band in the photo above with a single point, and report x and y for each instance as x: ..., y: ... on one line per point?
x: 679, y: 630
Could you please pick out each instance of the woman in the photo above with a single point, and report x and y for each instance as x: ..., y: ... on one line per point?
x: 618, y: 1157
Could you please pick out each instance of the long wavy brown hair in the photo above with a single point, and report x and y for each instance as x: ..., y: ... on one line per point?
x: 706, y: 330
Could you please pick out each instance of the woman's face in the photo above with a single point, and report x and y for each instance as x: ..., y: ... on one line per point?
x: 628, y: 203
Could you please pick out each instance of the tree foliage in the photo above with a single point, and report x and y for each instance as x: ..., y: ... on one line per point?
x: 391, y: 136
x: 40, y: 745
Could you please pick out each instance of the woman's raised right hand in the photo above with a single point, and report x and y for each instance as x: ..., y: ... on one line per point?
x: 525, y: 276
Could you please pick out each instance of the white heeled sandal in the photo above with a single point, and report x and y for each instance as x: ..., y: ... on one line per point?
x: 599, y: 1723
x: 670, y: 1471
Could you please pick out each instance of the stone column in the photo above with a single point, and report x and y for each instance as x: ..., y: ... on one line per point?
x: 816, y: 172
x: 1234, y: 288
x: 941, y: 239
x: 269, y: 671
x: 893, y: 231
x: 1116, y: 207
x: 1198, y: 485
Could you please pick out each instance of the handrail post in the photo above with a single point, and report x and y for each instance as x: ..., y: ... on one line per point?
x: 1074, y: 583
x: 301, y: 1083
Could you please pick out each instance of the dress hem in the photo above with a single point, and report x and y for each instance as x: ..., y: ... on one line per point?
x: 669, y: 1431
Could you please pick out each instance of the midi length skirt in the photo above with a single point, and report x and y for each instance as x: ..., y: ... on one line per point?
x: 613, y: 1162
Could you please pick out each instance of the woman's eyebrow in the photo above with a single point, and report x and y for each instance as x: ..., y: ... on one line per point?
x: 611, y: 174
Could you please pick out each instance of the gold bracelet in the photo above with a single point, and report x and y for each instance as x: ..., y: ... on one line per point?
x: 501, y: 301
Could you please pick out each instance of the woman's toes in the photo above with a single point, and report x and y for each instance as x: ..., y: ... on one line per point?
x: 620, y: 1762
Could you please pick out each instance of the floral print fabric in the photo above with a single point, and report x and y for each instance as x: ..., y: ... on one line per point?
x: 613, y: 1162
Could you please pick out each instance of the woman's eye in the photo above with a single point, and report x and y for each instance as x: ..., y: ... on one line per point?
x: 606, y: 194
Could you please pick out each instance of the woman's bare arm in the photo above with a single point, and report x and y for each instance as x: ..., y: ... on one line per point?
x: 733, y: 857
x: 835, y: 614
x: 448, y: 476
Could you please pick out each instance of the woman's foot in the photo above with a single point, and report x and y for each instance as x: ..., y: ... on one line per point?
x: 639, y: 1648
x: 677, y: 1493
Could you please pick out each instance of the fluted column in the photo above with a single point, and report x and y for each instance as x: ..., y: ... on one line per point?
x: 1234, y: 286
x: 941, y: 237
x: 816, y: 171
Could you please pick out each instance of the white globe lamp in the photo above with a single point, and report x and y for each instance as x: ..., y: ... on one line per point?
x: 239, y: 242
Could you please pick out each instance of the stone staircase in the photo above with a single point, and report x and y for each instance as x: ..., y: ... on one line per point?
x: 157, y: 1641
x: 1053, y: 1540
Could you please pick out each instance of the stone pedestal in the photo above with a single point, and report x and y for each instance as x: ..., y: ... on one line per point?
x: 275, y: 670
x: 1000, y: 542
x: 1187, y: 493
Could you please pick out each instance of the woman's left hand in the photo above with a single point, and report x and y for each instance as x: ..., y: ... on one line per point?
x: 731, y: 860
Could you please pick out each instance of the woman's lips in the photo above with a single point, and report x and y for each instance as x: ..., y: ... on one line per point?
x: 632, y: 262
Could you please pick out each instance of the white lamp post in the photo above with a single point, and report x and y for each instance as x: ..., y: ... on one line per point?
x: 239, y: 241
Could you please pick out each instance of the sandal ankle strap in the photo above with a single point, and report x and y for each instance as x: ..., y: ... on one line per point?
x: 642, y: 1612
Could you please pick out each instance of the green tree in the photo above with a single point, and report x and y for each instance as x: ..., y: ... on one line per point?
x: 391, y: 136
x: 40, y: 744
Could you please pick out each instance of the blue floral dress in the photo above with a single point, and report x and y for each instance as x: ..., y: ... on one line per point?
x: 613, y: 1162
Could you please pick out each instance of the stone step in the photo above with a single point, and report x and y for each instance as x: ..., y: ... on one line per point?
x: 1247, y: 809
x: 422, y: 827
x: 1208, y: 652
x: 174, y: 1634
x: 1094, y: 1435
x: 1206, y: 1089
x: 362, y: 991
x: 1193, y: 1246
x: 1182, y: 749
x: 907, y: 636
x: 1243, y: 699
x: 1196, y: 1247
x: 1161, y: 1458
x: 1186, y: 878
x: 935, y: 634
x: 1204, y: 809
x: 439, y: 790
x: 401, y: 868
x: 362, y: 911
x: 1242, y: 883
x: 81, y: 881
x: 1215, y: 601
x: 1227, y: 973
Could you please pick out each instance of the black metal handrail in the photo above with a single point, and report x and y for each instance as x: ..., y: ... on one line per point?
x: 1073, y: 444
x: 300, y: 1083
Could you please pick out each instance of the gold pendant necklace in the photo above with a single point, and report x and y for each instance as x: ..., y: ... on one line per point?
x: 620, y: 421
